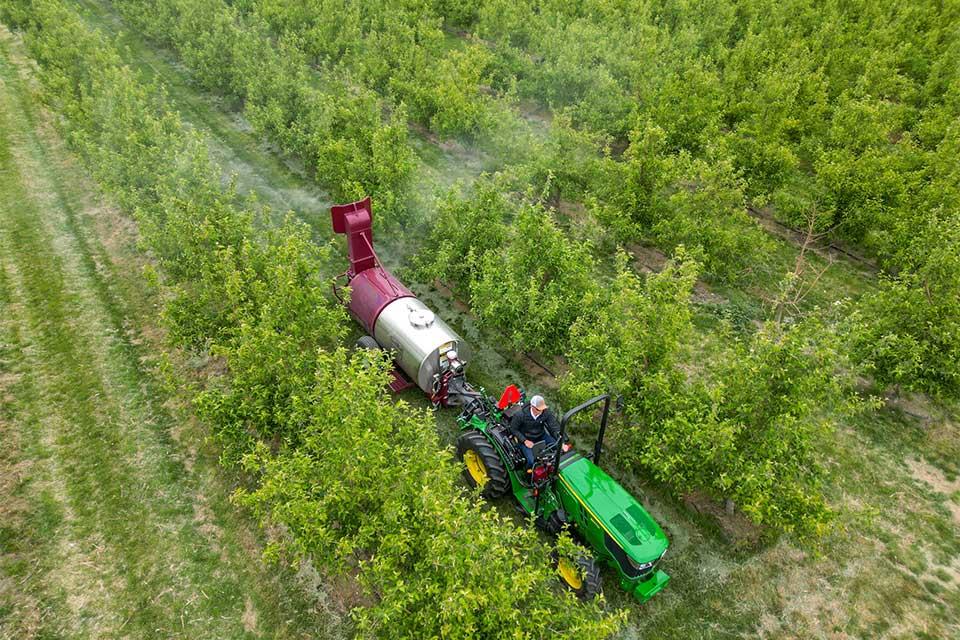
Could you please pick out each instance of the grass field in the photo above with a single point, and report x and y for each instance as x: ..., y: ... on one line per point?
x: 116, y: 521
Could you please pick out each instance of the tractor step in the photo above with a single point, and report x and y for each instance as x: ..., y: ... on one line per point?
x: 399, y: 381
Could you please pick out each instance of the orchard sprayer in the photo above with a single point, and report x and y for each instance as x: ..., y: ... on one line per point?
x: 563, y: 488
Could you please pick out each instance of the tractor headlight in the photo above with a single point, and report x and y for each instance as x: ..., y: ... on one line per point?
x: 640, y: 566
x: 643, y: 567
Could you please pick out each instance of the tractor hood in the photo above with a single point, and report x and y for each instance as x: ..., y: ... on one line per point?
x: 618, y: 512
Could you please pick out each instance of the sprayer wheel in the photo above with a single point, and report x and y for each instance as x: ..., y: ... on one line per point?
x: 367, y: 342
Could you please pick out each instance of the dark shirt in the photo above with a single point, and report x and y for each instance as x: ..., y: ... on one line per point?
x: 525, y: 427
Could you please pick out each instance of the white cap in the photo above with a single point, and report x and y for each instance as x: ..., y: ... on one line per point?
x: 538, y: 402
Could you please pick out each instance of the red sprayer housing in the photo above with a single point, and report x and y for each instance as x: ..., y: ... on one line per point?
x: 423, y: 346
x: 372, y: 287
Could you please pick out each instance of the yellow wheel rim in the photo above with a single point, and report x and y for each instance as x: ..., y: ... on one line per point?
x: 478, y: 470
x: 570, y: 573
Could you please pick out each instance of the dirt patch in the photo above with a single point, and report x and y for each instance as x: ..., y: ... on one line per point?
x: 204, y: 518
x: 7, y: 380
x: 826, y: 250
x: 803, y: 602
x: 932, y: 476
x: 917, y: 406
x: 345, y: 592
x: 737, y: 529
x: 652, y: 260
x: 448, y: 293
x: 647, y: 259
x: 209, y: 367
x: 952, y: 570
x: 955, y: 511
x: 702, y: 294
x: 575, y: 212
x: 534, y: 111
x: 116, y: 232
x: 943, y: 437
x: 249, y: 617
x: 542, y: 372
x: 425, y: 133
x: 178, y: 431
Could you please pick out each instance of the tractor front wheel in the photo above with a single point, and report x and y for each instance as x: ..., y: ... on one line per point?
x: 582, y: 576
x: 483, y: 467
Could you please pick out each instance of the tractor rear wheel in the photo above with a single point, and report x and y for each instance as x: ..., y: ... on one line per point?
x: 367, y: 342
x: 582, y: 576
x: 483, y: 467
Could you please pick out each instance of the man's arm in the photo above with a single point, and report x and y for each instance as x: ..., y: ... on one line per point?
x: 516, y: 424
x: 550, y: 422
x: 553, y: 427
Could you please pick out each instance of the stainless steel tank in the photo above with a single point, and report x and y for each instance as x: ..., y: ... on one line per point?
x: 418, y: 338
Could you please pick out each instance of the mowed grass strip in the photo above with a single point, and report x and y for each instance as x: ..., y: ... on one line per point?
x: 108, y: 529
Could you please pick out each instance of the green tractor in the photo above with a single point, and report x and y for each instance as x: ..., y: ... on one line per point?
x: 565, y: 488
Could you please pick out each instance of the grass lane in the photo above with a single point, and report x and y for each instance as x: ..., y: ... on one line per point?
x: 111, y: 526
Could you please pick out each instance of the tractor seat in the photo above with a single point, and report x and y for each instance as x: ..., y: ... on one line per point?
x: 510, y: 446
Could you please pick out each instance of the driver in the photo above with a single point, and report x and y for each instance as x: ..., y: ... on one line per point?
x: 535, y: 423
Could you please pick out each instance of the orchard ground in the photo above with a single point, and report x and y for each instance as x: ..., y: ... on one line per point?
x: 891, y: 568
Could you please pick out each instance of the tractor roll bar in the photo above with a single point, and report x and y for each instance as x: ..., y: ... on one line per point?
x: 605, y: 398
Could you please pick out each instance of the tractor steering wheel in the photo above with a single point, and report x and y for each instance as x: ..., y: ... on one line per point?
x: 547, y: 452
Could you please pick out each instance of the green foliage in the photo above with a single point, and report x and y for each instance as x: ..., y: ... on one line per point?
x: 567, y: 164
x: 907, y: 333
x: 447, y: 95
x: 777, y: 394
x: 834, y: 109
x: 559, y: 61
x: 398, y: 49
x: 281, y: 315
x: 839, y: 110
x: 681, y: 200
x: 535, y: 287
x: 707, y: 213
x: 340, y: 132
x: 635, y: 184
x: 754, y: 430
x: 749, y: 427
x: 525, y: 279
x: 666, y: 132
x: 464, y: 231
x: 632, y: 339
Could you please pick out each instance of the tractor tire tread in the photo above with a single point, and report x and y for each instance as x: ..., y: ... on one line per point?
x: 498, y: 481
x: 590, y: 572
x: 592, y: 585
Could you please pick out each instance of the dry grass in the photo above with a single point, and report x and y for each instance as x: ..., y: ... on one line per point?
x: 932, y: 476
